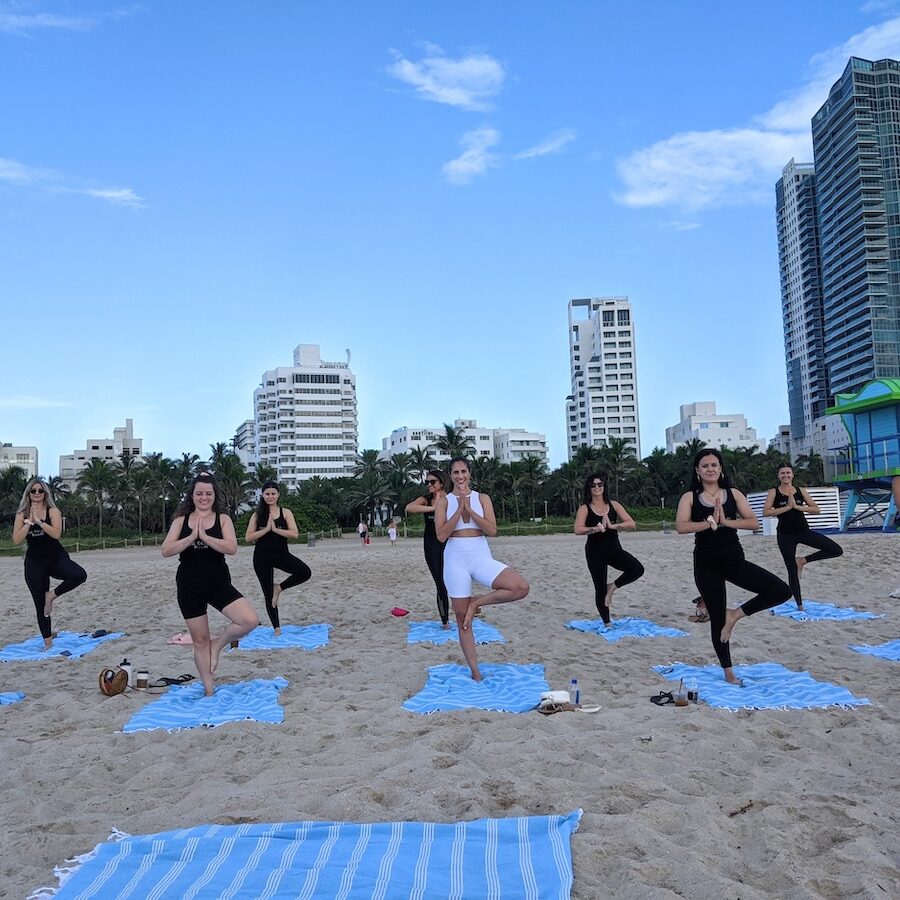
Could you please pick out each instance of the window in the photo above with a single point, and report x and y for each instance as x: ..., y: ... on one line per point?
x: 609, y: 317
x: 624, y: 317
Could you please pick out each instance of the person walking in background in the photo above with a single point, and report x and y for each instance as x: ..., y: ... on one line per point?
x: 39, y: 523
x: 269, y: 529
x: 363, y: 531
x: 437, y: 484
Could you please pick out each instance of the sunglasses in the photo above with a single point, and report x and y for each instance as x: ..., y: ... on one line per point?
x: 596, y: 484
x: 431, y: 481
x: 36, y: 491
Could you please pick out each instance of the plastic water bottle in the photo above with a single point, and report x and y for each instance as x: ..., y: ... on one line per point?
x: 693, y: 691
x: 128, y: 669
x: 574, y: 693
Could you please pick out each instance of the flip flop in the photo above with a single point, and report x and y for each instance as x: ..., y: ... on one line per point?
x: 168, y: 682
x: 699, y: 617
x: 663, y: 698
x: 399, y: 611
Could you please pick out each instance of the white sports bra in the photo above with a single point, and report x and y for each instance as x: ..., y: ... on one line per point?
x: 474, y: 502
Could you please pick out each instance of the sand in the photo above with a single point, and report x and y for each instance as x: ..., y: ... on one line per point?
x: 694, y: 802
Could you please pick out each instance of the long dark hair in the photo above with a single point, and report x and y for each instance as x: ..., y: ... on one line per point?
x: 696, y: 484
x: 262, y: 511
x: 586, y: 493
x: 442, y: 477
x: 187, y: 504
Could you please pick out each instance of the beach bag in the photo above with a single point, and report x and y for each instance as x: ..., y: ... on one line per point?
x: 113, y: 681
x: 367, y: 539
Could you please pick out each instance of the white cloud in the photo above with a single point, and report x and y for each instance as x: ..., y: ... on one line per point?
x: 24, y: 401
x: 552, y: 144
x: 14, y: 21
x: 476, y: 159
x: 467, y: 82
x: 15, y: 173
x: 697, y: 169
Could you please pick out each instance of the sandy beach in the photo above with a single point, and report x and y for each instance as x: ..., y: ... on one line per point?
x: 694, y: 802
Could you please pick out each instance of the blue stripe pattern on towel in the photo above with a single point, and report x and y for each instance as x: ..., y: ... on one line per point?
x: 186, y: 707
x: 307, y: 637
x: 625, y: 627
x: 766, y: 686
x: 65, y: 644
x: 890, y: 650
x: 527, y: 858
x: 511, y: 687
x: 815, y: 611
x: 420, y: 632
x: 11, y: 697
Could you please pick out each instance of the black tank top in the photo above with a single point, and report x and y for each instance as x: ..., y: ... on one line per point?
x: 40, y: 544
x: 601, y: 538
x: 201, y: 557
x: 722, y: 544
x: 793, y: 521
x: 271, y: 542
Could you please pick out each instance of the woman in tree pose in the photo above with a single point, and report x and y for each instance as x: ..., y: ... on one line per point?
x: 713, y: 511
x: 437, y: 484
x: 789, y: 503
x: 462, y: 519
x: 270, y: 527
x: 601, y: 519
x: 203, y: 536
x: 39, y: 522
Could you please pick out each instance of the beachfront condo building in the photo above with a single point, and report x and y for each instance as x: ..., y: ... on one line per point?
x: 839, y: 250
x: 26, y: 458
x: 244, y: 444
x: 700, y: 421
x: 603, y: 364
x: 305, y: 418
x: 110, y: 450
x: 506, y: 445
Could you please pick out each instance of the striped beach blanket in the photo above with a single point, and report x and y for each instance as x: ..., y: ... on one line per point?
x: 186, y: 707
x: 511, y: 687
x: 421, y: 632
x: 66, y: 644
x: 890, y: 650
x: 766, y: 686
x: 624, y: 627
x: 815, y: 611
x: 307, y: 637
x: 11, y: 697
x: 527, y: 858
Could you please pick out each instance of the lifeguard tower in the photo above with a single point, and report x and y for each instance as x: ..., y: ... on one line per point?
x: 869, y: 463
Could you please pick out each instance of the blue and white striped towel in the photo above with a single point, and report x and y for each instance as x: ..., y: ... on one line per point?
x: 186, y: 707
x: 511, y: 687
x: 420, y: 632
x: 890, y: 650
x: 815, y: 611
x: 625, y: 627
x: 66, y: 644
x: 307, y: 637
x: 527, y: 858
x: 11, y: 697
x: 766, y: 686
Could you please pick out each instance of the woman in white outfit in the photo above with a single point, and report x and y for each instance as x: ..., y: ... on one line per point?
x: 462, y: 519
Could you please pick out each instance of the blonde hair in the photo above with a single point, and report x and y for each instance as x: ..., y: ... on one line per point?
x: 25, y: 502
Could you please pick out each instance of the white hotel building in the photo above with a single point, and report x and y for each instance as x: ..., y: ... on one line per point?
x: 108, y: 449
x: 25, y: 458
x: 305, y: 418
x: 603, y: 364
x: 701, y: 421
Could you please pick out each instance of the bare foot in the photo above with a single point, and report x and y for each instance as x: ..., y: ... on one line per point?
x: 215, y: 651
x: 731, y: 619
x: 476, y: 675
x: 209, y: 687
x: 731, y: 678
x: 276, y: 593
x: 610, y: 590
x: 471, y: 612
x: 446, y: 626
x: 801, y: 562
x: 48, y: 642
x: 277, y: 633
x: 49, y: 597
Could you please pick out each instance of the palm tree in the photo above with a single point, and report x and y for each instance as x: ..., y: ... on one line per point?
x: 218, y: 453
x: 96, y: 480
x: 421, y: 461
x: 814, y: 468
x: 59, y: 490
x: 141, y: 486
x: 261, y: 475
x: 12, y: 485
x: 585, y: 460
x: 161, y: 472
x: 368, y: 462
x: 454, y: 442
x: 618, y: 458
x: 369, y: 491
x: 233, y: 482
x: 534, y: 471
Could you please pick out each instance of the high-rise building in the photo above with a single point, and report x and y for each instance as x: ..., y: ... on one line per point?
x: 801, y: 306
x: 244, y: 444
x: 107, y: 449
x: 305, y: 418
x: 603, y: 363
x: 856, y: 149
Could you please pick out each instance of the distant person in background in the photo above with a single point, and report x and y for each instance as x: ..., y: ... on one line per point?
x: 270, y: 528
x: 363, y: 531
x: 392, y: 532
x: 601, y: 519
x: 39, y: 522
x: 437, y: 484
x: 203, y: 536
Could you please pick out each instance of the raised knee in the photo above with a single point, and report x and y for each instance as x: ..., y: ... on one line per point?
x: 638, y: 571
x: 523, y: 590
x: 839, y: 550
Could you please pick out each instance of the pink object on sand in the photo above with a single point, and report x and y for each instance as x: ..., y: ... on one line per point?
x: 184, y: 639
x: 399, y: 611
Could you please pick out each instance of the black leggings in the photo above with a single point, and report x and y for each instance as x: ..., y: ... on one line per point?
x: 598, y: 560
x: 265, y: 564
x: 38, y: 573
x: 787, y: 544
x: 710, y: 578
x: 434, y: 557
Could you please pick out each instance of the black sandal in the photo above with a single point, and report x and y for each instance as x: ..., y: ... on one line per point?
x: 169, y: 682
x: 663, y: 698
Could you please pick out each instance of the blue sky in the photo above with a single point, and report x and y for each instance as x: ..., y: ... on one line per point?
x: 189, y: 190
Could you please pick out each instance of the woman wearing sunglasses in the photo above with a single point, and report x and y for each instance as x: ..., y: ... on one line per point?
x: 437, y: 484
x: 39, y: 523
x: 601, y: 519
